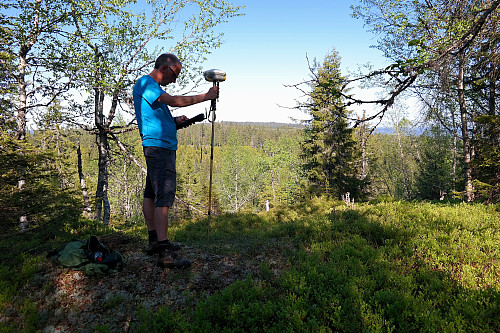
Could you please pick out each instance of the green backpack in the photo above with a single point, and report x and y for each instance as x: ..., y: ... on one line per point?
x: 91, y: 256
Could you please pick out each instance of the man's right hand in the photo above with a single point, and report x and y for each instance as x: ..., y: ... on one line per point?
x: 212, y: 93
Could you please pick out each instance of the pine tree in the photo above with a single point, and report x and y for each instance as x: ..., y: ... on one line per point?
x: 332, y: 155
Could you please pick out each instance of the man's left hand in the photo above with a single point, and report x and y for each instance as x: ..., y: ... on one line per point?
x: 180, y: 119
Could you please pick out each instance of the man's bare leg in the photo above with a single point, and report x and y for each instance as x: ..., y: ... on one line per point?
x: 167, y: 258
x: 156, y: 218
x: 161, y: 223
x: 148, y: 209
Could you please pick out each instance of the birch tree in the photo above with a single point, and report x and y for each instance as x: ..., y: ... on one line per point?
x: 424, y: 38
x: 32, y: 57
x: 241, y: 175
x: 7, y: 86
x: 31, y: 32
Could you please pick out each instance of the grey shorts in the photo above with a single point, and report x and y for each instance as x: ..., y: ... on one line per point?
x: 161, y: 177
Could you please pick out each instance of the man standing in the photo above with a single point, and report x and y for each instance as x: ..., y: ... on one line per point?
x: 159, y: 141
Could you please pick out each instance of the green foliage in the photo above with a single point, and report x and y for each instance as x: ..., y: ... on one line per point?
x: 163, y: 321
x: 283, y: 179
x: 7, y: 86
x: 454, y: 80
x: 102, y: 329
x: 385, y: 266
x: 30, y: 32
x: 25, y: 266
x: 244, y: 306
x: 385, y: 165
x: 241, y: 171
x: 43, y: 197
x: 424, y: 162
x: 112, y: 302
x: 100, y: 49
x: 252, y: 164
x: 487, y: 161
x: 192, y: 179
x: 126, y: 180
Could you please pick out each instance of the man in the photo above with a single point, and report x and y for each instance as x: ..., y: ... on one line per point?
x: 159, y: 141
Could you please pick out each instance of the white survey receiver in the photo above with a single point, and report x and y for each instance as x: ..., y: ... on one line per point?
x: 214, y: 75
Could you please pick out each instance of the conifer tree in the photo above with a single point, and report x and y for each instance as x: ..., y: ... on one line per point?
x: 435, y: 178
x: 331, y: 153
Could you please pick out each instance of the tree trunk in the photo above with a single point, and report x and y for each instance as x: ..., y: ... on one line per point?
x: 23, y: 101
x: 21, y: 119
x: 273, y: 187
x: 102, y: 207
x: 86, y: 205
x: 23, y: 219
x: 21, y: 78
x: 455, y: 128
x: 236, y: 206
x: 455, y: 154
x: 23, y: 98
x: 469, y: 186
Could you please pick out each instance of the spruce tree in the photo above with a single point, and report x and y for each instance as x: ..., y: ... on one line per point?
x: 332, y: 155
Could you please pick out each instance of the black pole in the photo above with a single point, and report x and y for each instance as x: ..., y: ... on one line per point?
x: 213, y: 107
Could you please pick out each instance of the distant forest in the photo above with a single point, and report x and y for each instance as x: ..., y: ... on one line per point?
x: 256, y: 167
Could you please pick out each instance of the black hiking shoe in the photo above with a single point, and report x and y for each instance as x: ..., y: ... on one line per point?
x: 170, y: 259
x: 154, y: 247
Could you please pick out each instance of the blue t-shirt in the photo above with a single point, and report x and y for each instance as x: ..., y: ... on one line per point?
x: 156, y: 123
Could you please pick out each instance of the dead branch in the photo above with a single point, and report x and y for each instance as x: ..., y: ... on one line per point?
x: 127, y: 152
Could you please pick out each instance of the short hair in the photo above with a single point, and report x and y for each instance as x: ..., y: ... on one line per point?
x: 166, y: 59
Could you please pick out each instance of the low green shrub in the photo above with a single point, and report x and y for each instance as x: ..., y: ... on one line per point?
x: 390, y: 266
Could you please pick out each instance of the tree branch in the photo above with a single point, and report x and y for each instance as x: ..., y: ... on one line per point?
x: 127, y: 152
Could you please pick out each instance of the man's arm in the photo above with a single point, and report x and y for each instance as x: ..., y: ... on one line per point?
x: 180, y: 101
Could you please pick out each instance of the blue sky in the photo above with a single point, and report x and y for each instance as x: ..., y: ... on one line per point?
x: 266, y: 49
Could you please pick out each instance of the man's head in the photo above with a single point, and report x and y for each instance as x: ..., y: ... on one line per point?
x: 168, y: 67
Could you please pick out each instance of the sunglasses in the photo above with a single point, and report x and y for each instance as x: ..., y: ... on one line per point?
x: 173, y: 73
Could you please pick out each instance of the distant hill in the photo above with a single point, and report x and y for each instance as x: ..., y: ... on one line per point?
x: 264, y: 124
x: 388, y: 130
x: 383, y: 130
x: 378, y: 130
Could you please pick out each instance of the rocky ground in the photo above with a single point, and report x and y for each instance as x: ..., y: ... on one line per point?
x: 70, y: 301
